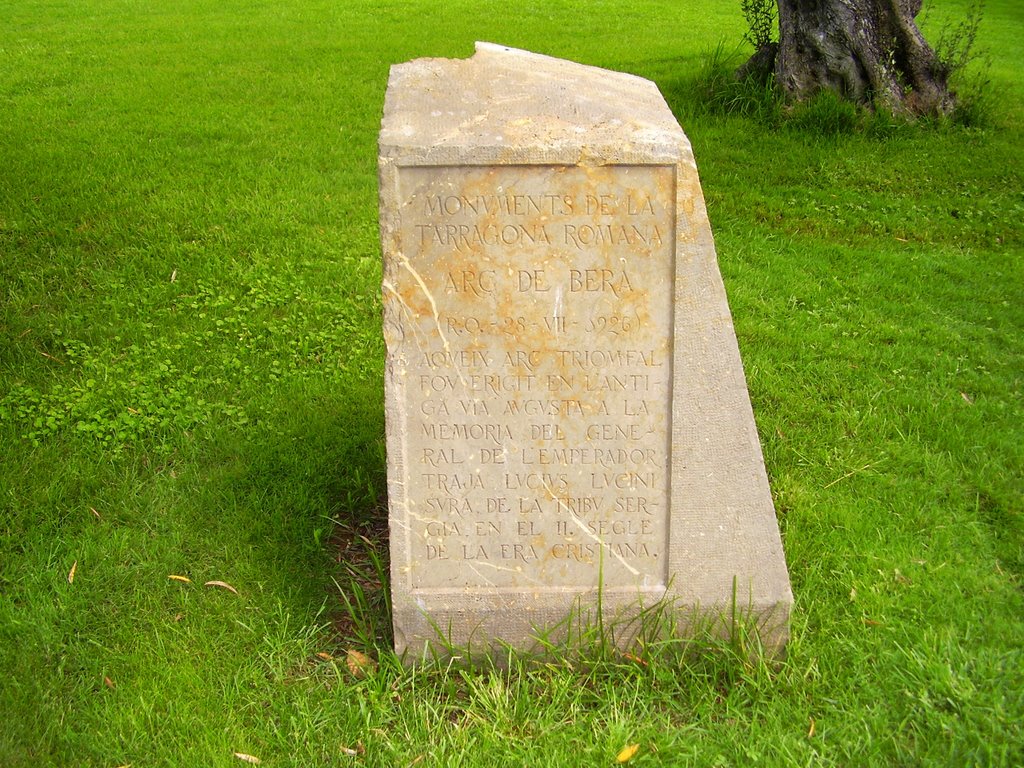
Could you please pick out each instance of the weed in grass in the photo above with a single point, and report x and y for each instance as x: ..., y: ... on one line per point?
x: 365, y: 611
x: 715, y: 89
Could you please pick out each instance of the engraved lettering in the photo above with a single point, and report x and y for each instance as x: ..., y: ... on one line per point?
x: 536, y: 481
x: 474, y: 408
x: 508, y: 205
x: 474, y: 552
x: 546, y: 432
x: 529, y: 506
x: 438, y: 481
x: 437, y: 552
x: 492, y: 456
x: 468, y: 281
x: 637, y: 408
x: 527, y: 528
x: 600, y: 281
x: 583, y: 236
x: 495, y: 433
x: 625, y: 481
x: 529, y: 359
x: 533, y: 280
x: 488, y: 528
x: 524, y: 552
x: 602, y: 204
x: 580, y: 505
x: 606, y: 358
x: 430, y: 407
x: 447, y: 506
x: 467, y: 358
x: 631, y: 431
x: 438, y: 383
x: 634, y: 505
x: 495, y: 384
x: 436, y: 457
x: 441, y: 529
x: 589, y: 552
x: 498, y: 506
x: 635, y: 207
x: 464, y: 237
x: 562, y: 408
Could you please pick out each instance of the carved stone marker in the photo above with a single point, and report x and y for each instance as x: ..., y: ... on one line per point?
x: 566, y: 407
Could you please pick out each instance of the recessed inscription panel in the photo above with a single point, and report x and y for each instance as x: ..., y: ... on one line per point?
x: 536, y: 375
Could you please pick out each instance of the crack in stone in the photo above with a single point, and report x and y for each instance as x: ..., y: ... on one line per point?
x: 582, y: 526
x: 422, y: 340
x: 519, y: 572
x: 433, y: 308
x: 558, y: 310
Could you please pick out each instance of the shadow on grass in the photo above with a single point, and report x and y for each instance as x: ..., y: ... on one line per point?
x: 311, y: 485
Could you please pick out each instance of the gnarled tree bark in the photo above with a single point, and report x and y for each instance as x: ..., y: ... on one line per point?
x: 868, y: 51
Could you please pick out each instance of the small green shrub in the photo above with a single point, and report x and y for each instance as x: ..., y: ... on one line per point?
x: 956, y: 46
x: 760, y: 16
x: 967, y: 68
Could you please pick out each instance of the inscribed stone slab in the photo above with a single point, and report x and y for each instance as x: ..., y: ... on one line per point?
x: 566, y: 408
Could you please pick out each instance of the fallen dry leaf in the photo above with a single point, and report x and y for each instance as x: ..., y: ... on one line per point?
x: 325, y: 656
x: 635, y: 659
x: 71, y: 573
x: 359, y: 664
x: 94, y: 512
x: 359, y: 750
x: 967, y: 398
x: 222, y: 585
x: 108, y: 682
x: 627, y: 753
x: 175, y: 577
x: 810, y: 731
x: 248, y: 758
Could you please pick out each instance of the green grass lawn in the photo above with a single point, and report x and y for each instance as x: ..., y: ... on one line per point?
x: 191, y: 385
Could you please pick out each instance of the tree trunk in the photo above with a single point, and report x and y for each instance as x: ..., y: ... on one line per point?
x: 869, y: 51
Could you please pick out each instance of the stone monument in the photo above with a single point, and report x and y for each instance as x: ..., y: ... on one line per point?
x: 566, y: 408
